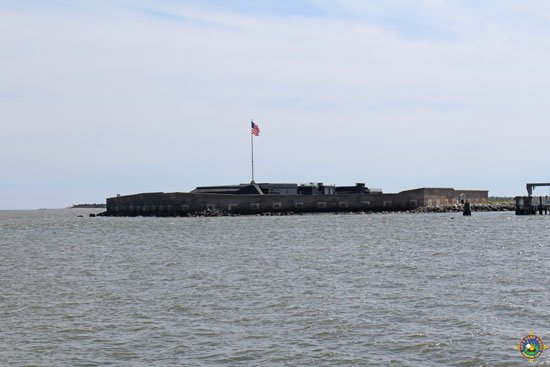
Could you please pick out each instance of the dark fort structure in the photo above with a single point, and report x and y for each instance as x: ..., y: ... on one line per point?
x: 257, y: 198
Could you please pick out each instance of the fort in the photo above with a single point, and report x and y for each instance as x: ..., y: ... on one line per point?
x: 257, y: 198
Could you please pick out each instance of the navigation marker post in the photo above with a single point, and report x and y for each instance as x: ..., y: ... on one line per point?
x: 254, y: 131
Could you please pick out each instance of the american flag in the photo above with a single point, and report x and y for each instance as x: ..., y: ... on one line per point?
x: 255, y: 129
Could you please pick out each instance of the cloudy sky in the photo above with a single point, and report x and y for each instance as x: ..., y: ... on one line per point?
x: 99, y: 98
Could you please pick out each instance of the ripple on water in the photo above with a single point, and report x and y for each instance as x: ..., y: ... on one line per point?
x: 319, y: 290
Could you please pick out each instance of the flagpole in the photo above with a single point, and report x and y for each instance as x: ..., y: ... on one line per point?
x: 252, y: 152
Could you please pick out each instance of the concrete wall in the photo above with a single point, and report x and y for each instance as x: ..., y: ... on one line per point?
x: 445, y: 196
x: 181, y: 203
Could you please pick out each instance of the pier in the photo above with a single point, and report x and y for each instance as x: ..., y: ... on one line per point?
x: 532, y: 205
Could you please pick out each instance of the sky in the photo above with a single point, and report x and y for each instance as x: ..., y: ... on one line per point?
x: 99, y: 98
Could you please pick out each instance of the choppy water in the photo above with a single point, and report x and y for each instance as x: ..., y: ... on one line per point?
x: 312, y: 290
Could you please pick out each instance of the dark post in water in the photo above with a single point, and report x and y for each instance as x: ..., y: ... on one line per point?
x: 467, y: 209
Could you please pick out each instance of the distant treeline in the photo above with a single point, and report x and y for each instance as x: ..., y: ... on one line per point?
x: 100, y: 206
x: 501, y: 198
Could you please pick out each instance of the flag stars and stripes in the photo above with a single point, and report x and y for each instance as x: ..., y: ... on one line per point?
x: 255, y: 129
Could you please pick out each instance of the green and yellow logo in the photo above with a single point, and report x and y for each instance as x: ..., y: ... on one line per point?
x: 531, y: 346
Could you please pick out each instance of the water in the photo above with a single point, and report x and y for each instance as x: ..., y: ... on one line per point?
x: 312, y: 290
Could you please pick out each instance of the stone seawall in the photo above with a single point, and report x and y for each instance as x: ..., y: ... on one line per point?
x: 487, y: 207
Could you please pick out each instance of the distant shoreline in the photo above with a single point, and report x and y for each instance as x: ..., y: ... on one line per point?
x: 89, y: 206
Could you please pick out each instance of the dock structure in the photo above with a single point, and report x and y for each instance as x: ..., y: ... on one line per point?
x: 532, y: 205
